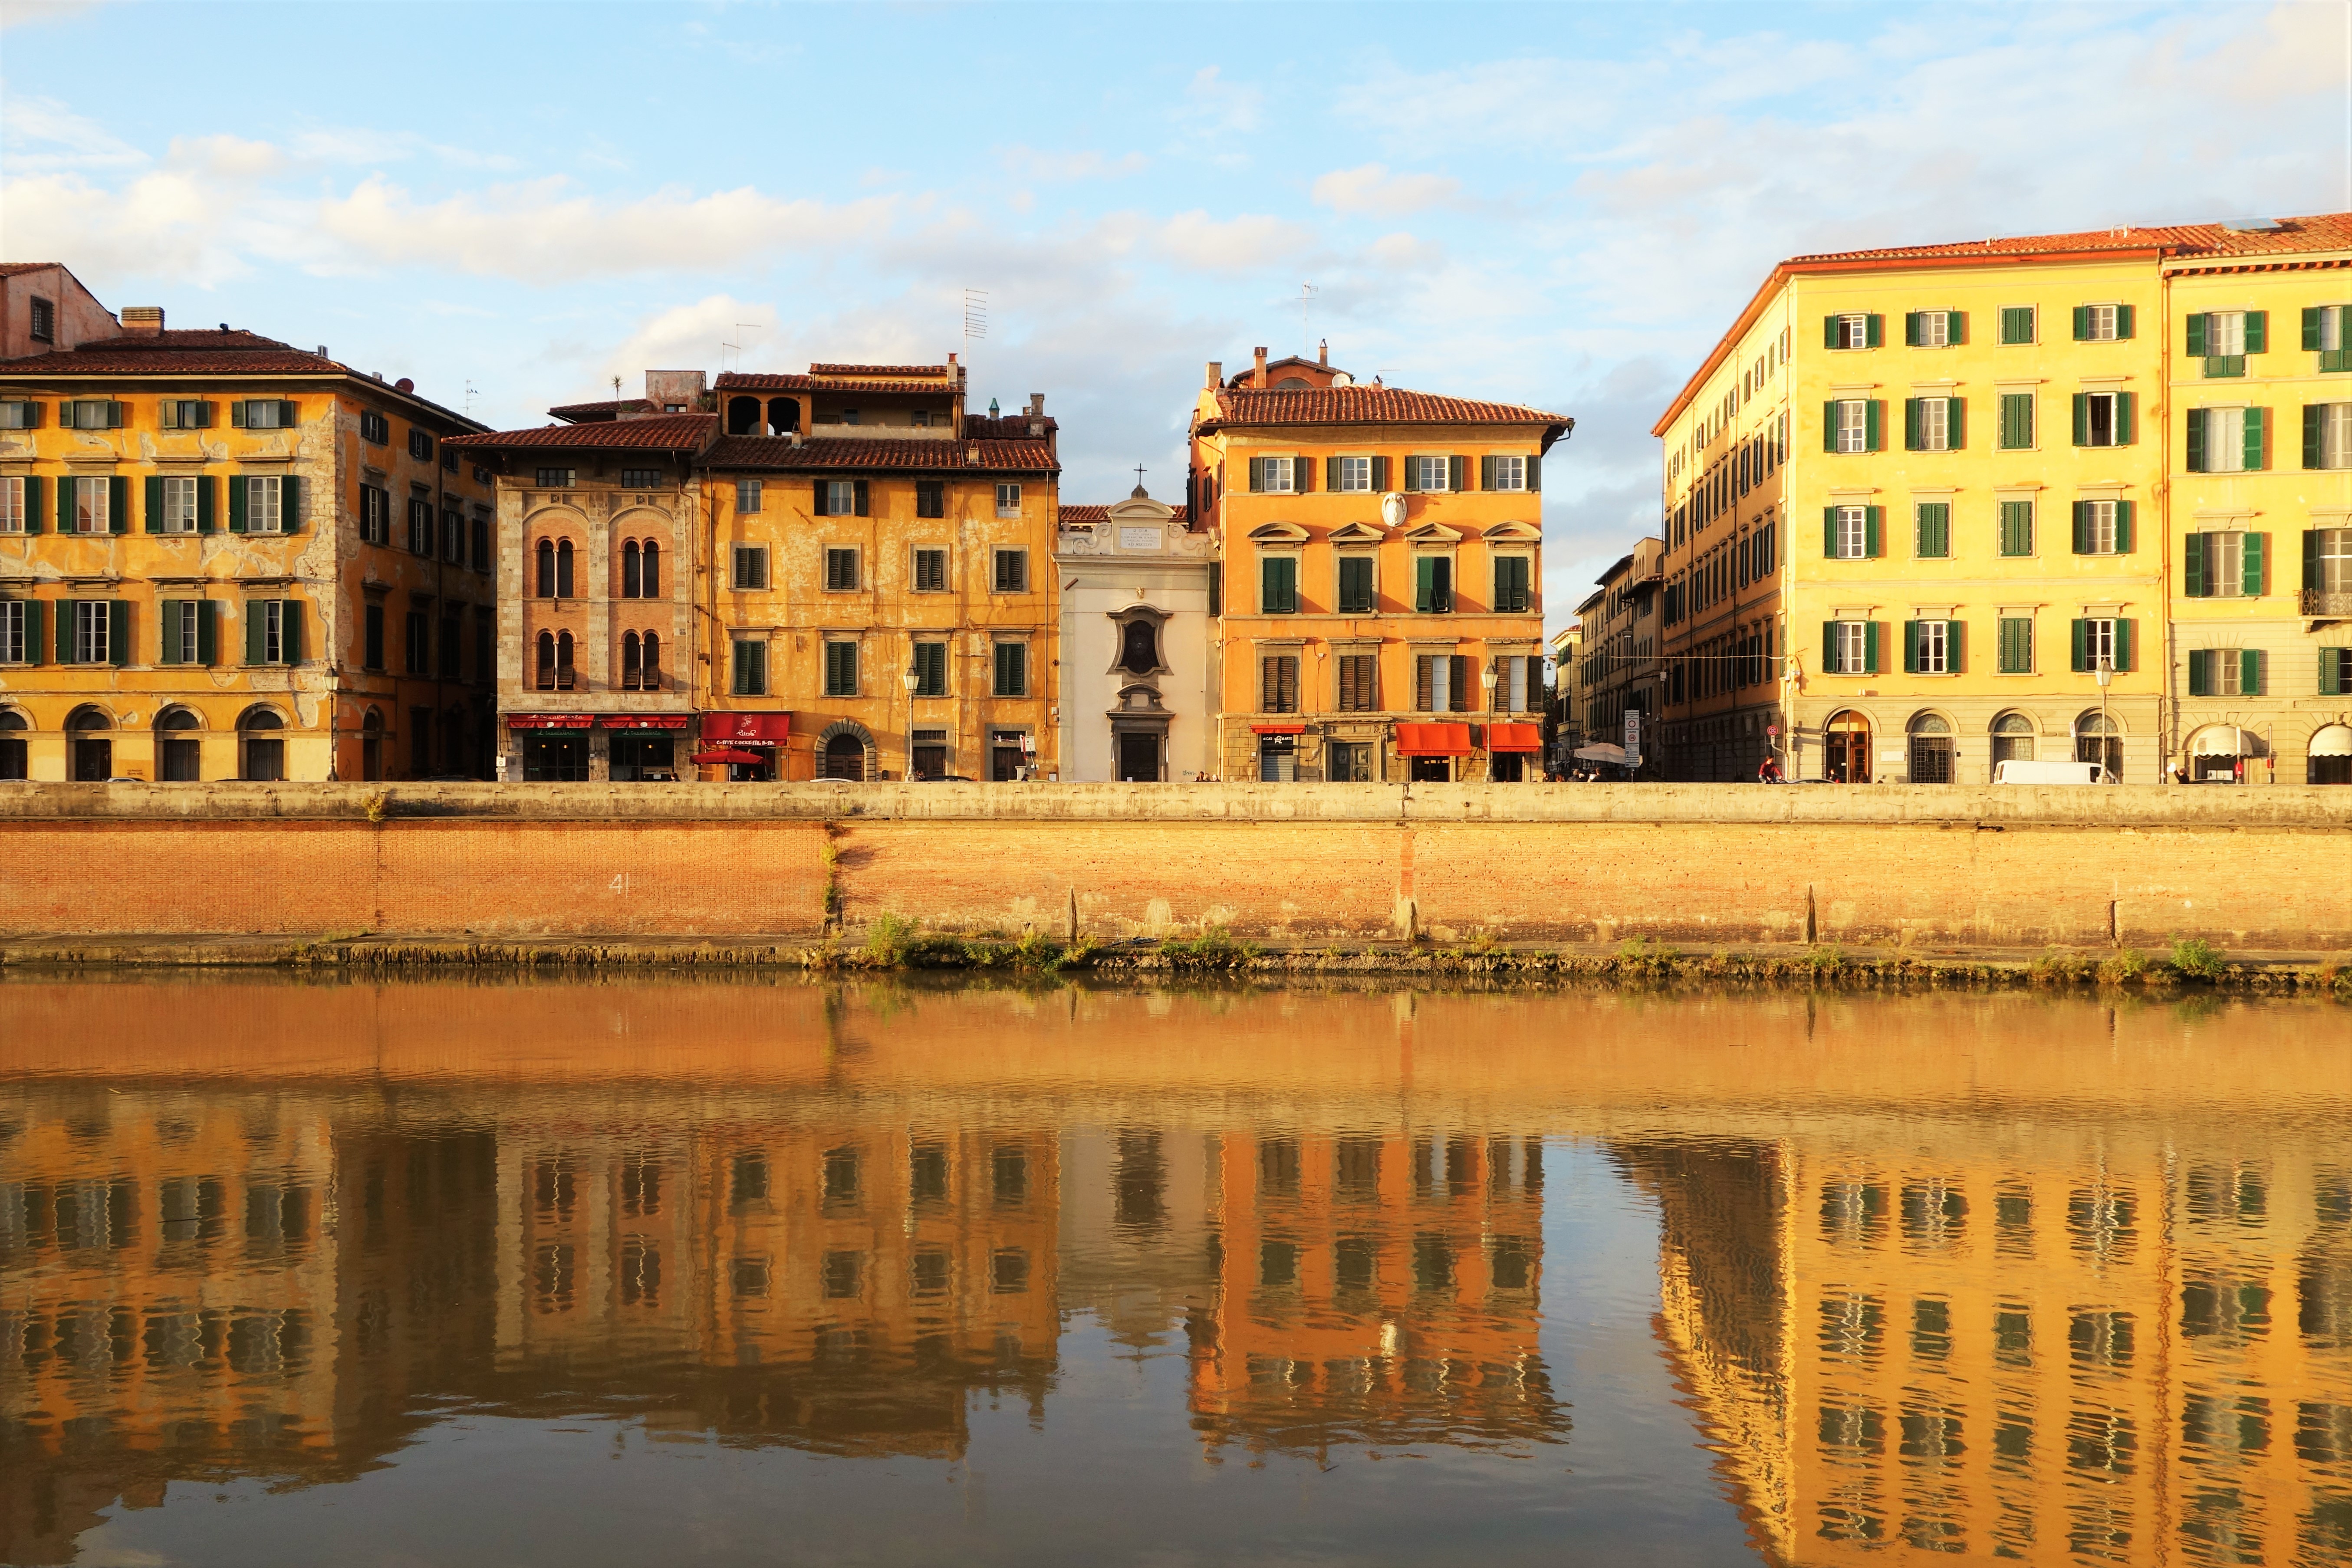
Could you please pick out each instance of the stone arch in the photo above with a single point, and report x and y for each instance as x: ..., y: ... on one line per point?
x: 174, y: 716
x: 841, y: 743
x: 2016, y: 737
x: 260, y: 716
x: 742, y: 415
x: 89, y: 717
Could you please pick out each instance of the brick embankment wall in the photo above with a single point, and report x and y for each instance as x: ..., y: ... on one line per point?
x: 1955, y: 866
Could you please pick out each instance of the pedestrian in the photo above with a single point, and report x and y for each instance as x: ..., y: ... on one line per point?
x: 1770, y: 772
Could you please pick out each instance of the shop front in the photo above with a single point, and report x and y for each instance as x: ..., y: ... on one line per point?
x: 643, y: 747
x: 554, y: 746
x: 1434, y: 754
x: 748, y: 746
x: 1513, y: 752
x: 1277, y: 752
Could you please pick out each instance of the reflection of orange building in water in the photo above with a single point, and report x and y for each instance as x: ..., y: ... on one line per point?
x: 2015, y: 1343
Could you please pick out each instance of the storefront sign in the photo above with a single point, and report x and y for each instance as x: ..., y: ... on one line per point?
x: 642, y: 722
x: 747, y: 726
x: 550, y: 720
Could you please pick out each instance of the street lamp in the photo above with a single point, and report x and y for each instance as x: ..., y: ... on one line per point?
x: 2105, y: 673
x: 910, y: 680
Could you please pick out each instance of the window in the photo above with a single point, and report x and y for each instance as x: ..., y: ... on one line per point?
x: 1511, y: 597
x: 641, y: 570
x: 2016, y: 639
x: 750, y: 568
x: 19, y: 631
x: 2228, y: 672
x: 2102, y: 418
x: 2228, y: 440
x: 2017, y: 324
x: 90, y: 414
x: 16, y: 504
x: 420, y: 526
x: 1849, y: 647
x: 448, y: 460
x: 1853, y: 532
x: 1502, y: 474
x: 2224, y: 565
x: 416, y: 649
x: 1277, y: 584
x: 1356, y: 584
x: 1274, y: 476
x: 2327, y: 436
x: 15, y: 413
x: 1932, y: 531
x: 374, y: 429
x: 1360, y: 683
x: 44, y: 324
x: 930, y: 497
x: 420, y: 446
x: 2223, y: 338
x: 930, y: 668
x: 642, y: 478
x: 1278, y: 683
x: 1008, y: 501
x: 1933, y: 424
x: 2103, y: 528
x: 1442, y: 683
x: 265, y: 413
x: 375, y: 515
x: 1012, y: 571
x: 930, y: 571
x: 1431, y: 473
x: 1432, y: 585
x: 482, y: 540
x: 1936, y: 329
x: 2099, y: 638
x: 2102, y: 323
x: 563, y: 561
x: 1352, y: 476
x: 1854, y: 331
x: 2017, y: 528
x: 555, y: 479
x: 177, y: 513
x: 920, y: 419
x: 2323, y: 334
x: 2334, y: 674
x: 184, y: 413
x: 372, y: 638
x: 451, y: 647
x: 640, y: 662
x: 747, y: 495
x: 92, y: 505
x: 1515, y: 679
x: 452, y: 538
x: 1013, y: 670
x: 2016, y: 421
x: 1854, y: 424
x: 748, y: 667
x: 841, y: 669
x: 1932, y: 647
x: 2328, y: 554
x: 273, y: 631
x: 841, y: 570
x: 841, y: 497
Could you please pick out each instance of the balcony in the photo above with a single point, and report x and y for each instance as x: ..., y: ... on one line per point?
x: 2327, y: 602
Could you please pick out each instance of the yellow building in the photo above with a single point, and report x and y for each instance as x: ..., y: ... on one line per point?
x: 224, y: 557
x: 2260, y: 382
x: 1916, y: 504
x: 880, y: 596
x: 1382, y: 579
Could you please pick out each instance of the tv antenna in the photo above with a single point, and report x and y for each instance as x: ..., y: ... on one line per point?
x: 1306, y: 292
x: 975, y: 318
x: 472, y: 391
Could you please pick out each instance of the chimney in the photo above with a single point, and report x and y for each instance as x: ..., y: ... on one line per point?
x: 1323, y: 351
x: 142, y: 319
x: 1037, y: 404
x: 1260, y: 352
x: 1216, y: 373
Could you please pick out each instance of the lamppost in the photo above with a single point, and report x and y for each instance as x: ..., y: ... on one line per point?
x: 1488, y: 678
x: 910, y: 680
x: 2107, y: 672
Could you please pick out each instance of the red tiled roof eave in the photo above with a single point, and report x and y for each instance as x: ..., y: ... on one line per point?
x: 754, y: 380
x: 589, y: 413
x: 1246, y: 407
x: 662, y: 432
x: 110, y: 359
x: 1086, y: 514
x: 888, y: 372
x: 778, y: 454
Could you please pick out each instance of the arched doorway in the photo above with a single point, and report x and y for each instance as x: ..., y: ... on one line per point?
x: 843, y: 758
x: 14, y: 762
x: 2099, y: 738
x: 1845, y: 740
x: 2013, y: 739
x: 263, y: 748
x: 2222, y: 753
x: 2330, y: 754
x: 89, y: 746
x: 179, y: 754
x: 1931, y: 748
x: 372, y: 745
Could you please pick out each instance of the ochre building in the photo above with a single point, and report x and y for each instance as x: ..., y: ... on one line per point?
x: 1380, y: 603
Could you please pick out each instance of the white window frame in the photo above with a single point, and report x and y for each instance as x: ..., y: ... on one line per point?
x: 2336, y: 560
x: 2230, y: 679
x: 19, y: 414
x: 747, y: 555
x: 2099, y: 640
x: 187, y: 628
x: 1355, y: 475
x: 2225, y: 440
x: 1854, y: 533
x: 1008, y: 501
x: 12, y: 505
x: 2099, y: 324
x: 1276, y: 475
x: 1934, y: 328
x: 2091, y: 420
x: 1432, y: 476
x: 85, y: 414
x: 1510, y: 473
x: 1852, y: 647
x: 840, y: 497
x: 1935, y: 420
x: 12, y: 631
x: 2225, y: 581
x: 2099, y: 528
x: 256, y: 420
x: 2225, y: 334
x: 2331, y: 328
x: 269, y: 517
x: 93, y: 505
x: 179, y: 505
x: 2336, y: 436
x: 747, y: 496
x: 1854, y: 328
x: 90, y: 631
x: 1933, y: 650
x: 1854, y: 424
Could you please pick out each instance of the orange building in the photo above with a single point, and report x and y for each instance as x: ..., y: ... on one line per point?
x: 1383, y: 554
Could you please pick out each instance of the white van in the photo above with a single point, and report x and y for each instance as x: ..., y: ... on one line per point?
x: 2050, y: 773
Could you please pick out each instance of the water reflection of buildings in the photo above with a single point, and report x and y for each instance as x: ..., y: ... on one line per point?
x: 1970, y: 1340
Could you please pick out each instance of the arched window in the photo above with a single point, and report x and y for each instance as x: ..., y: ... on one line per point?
x: 1931, y: 748
x: 742, y: 416
x: 13, y: 757
x: 2012, y: 738
x: 372, y: 744
x: 264, y: 747
x: 629, y: 569
x: 1139, y: 649
x: 629, y: 681
x: 783, y: 415
x: 2099, y: 738
x: 547, y: 661
x: 651, y: 666
x: 650, y: 582
x: 564, y: 570
x: 563, y: 678
x: 1846, y: 746
x: 546, y: 554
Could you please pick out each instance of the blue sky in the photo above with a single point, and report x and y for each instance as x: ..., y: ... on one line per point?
x: 1559, y: 205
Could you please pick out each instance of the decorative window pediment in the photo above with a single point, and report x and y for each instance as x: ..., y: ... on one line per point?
x: 1433, y: 533
x: 1358, y: 533
x: 1515, y: 531
x: 1278, y: 533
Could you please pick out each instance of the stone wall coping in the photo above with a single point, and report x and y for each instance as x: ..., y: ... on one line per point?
x: 1970, y: 806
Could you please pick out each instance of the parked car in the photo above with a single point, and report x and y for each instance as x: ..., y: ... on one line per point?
x: 2018, y: 772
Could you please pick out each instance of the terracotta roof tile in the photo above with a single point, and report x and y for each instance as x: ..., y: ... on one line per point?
x: 881, y: 372
x: 587, y: 413
x: 201, y: 353
x: 1368, y: 406
x: 777, y: 452
x: 747, y: 380
x: 1005, y: 428
x: 1087, y: 516
x: 2327, y: 231
x: 664, y: 432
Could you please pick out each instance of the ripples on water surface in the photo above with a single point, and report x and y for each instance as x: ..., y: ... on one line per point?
x: 645, y: 1272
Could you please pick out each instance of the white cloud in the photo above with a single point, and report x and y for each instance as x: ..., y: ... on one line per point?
x: 1029, y: 163
x: 690, y: 335
x: 1370, y: 188
x: 40, y: 133
x: 1231, y: 245
x: 1212, y: 105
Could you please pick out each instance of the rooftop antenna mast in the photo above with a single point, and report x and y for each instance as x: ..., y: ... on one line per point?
x: 1306, y: 292
x: 975, y: 318
x: 472, y: 391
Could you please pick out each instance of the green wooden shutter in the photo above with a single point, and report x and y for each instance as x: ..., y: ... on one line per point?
x: 118, y: 504
x: 2249, y: 672
x: 816, y: 502
x: 236, y: 413
x: 290, y: 504
x: 1955, y: 648
x: 118, y: 631
x: 1485, y: 473
x: 859, y: 495
x: 2082, y: 324
x: 35, y: 634
x: 1829, y: 331
x: 1257, y: 476
x: 2200, y: 672
x: 1829, y: 426
x: 251, y: 610
x: 2253, y: 574
x: 2126, y: 656
x: 2258, y: 332
x: 2124, y: 512
x: 1412, y: 472
x: 1425, y: 580
x: 1911, y: 646
x: 1829, y: 532
x: 1870, y: 647
x: 1956, y: 327
x: 1911, y: 424
x: 2199, y: 334
x: 1873, y: 429
x: 170, y: 613
x: 289, y: 415
x: 64, y: 631
x: 2195, y: 441
x: 2082, y: 528
x: 1877, y: 330
x: 1934, y: 541
x: 2192, y: 567
x: 1874, y: 520
x: 236, y: 503
x: 2257, y: 439
x: 207, y: 632
x: 203, y: 503
x: 2310, y: 559
x: 2311, y: 329
x: 65, y: 505
x: 155, y: 497
x: 1330, y: 473
x: 2082, y: 419
x: 2081, y: 630
x: 1302, y: 473
x: 1535, y: 471
x: 2127, y: 423
x: 33, y: 514
x: 1830, y: 648
x: 1956, y: 422
x: 289, y: 629
x: 2124, y: 320
x: 2331, y: 672
x: 1379, y: 475
x: 1911, y: 328
x: 2314, y: 416
x: 1457, y: 472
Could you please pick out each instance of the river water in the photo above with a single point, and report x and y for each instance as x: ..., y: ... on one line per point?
x: 742, y: 1271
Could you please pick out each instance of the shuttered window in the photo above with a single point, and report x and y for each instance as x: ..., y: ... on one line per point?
x: 2017, y: 324
x: 930, y: 669
x: 1511, y: 595
x: 1011, y: 574
x: 748, y: 667
x: 2016, y: 421
x: 1432, y: 586
x: 1012, y: 669
x: 1277, y: 584
x: 1358, y: 678
x: 1442, y: 683
x: 1356, y: 597
x: 841, y: 569
x: 20, y: 631
x: 2016, y: 645
x: 841, y: 669
x: 1932, y: 538
x: 1278, y: 683
x: 2228, y: 565
x: 2328, y: 434
x: 930, y: 571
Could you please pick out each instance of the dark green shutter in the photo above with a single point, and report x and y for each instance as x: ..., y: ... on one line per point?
x: 1302, y: 470
x: 1331, y: 473
x: 2126, y: 424
x: 1424, y: 578
x: 1485, y: 473
x: 1257, y: 476
x: 2123, y: 510
x: 1911, y: 327
x: 2123, y: 322
x: 290, y: 504
x: 2310, y: 559
x: 236, y: 413
x: 1955, y: 648
x: 1412, y: 472
x: 1874, y: 427
x: 2082, y: 419
x: 118, y: 631
x: 2253, y: 576
x: 251, y: 610
x: 207, y: 632
x: 2196, y: 442
x: 2311, y: 329
x: 118, y: 504
x: 816, y: 502
x: 1870, y: 646
x: 2198, y: 336
x: 858, y: 496
x: 1829, y: 331
x: 289, y: 629
x: 1830, y: 532
x: 1830, y: 648
x: 2331, y: 670
x: 2200, y: 672
x: 1873, y: 518
x: 2082, y: 643
x: 1830, y: 426
x: 1535, y: 471
x: 170, y: 613
x: 203, y: 503
x: 1911, y: 646
x: 289, y: 415
x: 1379, y: 475
x: 2082, y: 324
x: 1877, y: 337
x: 2257, y: 432
x: 1956, y: 422
x: 1933, y: 538
x: 2192, y: 566
x: 1911, y: 424
x: 1457, y: 473
x: 2126, y: 658
x: 2249, y: 672
x: 32, y: 504
x: 1956, y: 327
x: 2258, y: 332
x: 236, y: 503
x: 36, y: 633
x: 64, y: 631
x: 65, y: 505
x: 2313, y: 417
x: 2082, y: 528
x: 154, y: 520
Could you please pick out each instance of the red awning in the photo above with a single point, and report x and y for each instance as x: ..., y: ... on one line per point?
x: 717, y: 759
x: 550, y: 720
x: 1433, y: 741
x: 1277, y: 729
x: 1515, y: 737
x: 747, y: 726
x: 642, y: 721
